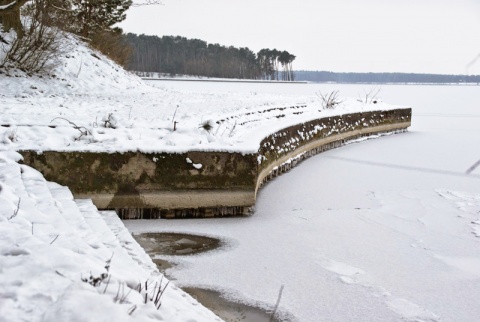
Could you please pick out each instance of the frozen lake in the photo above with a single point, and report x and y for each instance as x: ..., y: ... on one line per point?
x: 382, y: 230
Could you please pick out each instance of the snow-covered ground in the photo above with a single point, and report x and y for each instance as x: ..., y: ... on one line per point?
x: 61, y: 260
x: 90, y: 104
x: 383, y: 230
x: 48, y: 242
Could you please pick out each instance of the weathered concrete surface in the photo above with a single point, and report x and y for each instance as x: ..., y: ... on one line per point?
x: 172, y: 199
x: 202, y: 184
x: 88, y: 172
x: 321, y: 145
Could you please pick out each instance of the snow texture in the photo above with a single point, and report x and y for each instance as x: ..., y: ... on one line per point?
x: 88, y: 103
x: 50, y: 243
x: 383, y: 230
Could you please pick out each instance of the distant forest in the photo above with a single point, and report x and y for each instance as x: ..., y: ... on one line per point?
x: 179, y: 55
x: 325, y: 77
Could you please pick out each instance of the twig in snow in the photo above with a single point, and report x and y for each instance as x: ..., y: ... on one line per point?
x: 175, y: 113
x: 80, y: 68
x: 118, y: 293
x: 54, y: 240
x: 473, y: 167
x: 131, y: 310
x: 122, y: 300
x: 472, y: 63
x: 232, y: 130
x: 15, y: 213
x: 155, y: 294
x: 82, y: 129
x: 108, y: 283
x: 158, y: 298
x: 277, y: 304
x: 173, y: 119
x: 108, y: 261
x: 60, y: 274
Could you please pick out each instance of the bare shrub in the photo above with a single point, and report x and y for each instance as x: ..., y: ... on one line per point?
x: 109, y: 121
x: 371, y: 95
x: 38, y: 48
x: 154, y: 294
x: 111, y: 43
x: 329, y: 100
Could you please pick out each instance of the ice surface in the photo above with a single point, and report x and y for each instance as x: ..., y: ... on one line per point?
x: 375, y: 231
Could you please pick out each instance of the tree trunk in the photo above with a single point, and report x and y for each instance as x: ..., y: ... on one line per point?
x: 10, y: 17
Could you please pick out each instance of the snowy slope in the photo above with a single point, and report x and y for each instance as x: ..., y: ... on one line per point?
x: 88, y: 103
x: 48, y: 241
x: 50, y: 245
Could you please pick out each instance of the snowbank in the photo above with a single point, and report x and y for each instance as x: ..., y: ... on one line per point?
x: 60, y: 259
x: 88, y: 103
x: 52, y: 246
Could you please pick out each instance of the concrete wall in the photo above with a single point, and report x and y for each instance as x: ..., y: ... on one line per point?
x: 202, y: 184
x: 152, y: 180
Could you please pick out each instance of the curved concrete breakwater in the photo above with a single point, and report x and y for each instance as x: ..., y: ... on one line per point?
x: 199, y: 183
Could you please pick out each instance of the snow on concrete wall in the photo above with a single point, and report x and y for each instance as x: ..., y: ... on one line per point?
x: 199, y: 183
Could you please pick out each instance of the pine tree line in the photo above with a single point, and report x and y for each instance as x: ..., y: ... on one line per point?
x: 382, y: 78
x: 179, y: 55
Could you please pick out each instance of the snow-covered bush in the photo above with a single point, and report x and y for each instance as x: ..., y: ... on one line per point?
x: 109, y: 121
x: 36, y: 44
x: 329, y: 100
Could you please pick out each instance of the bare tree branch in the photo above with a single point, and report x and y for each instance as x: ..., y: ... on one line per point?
x: 329, y: 100
x: 473, y: 167
x: 470, y: 64
x: 82, y: 129
x: 12, y: 6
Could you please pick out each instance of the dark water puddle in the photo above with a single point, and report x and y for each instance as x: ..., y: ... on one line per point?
x: 231, y: 311
x: 163, y: 265
x: 176, y: 243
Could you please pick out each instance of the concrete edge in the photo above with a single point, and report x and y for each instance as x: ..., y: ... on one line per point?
x: 326, y: 141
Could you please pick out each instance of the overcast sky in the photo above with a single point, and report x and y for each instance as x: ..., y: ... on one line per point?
x: 421, y: 36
